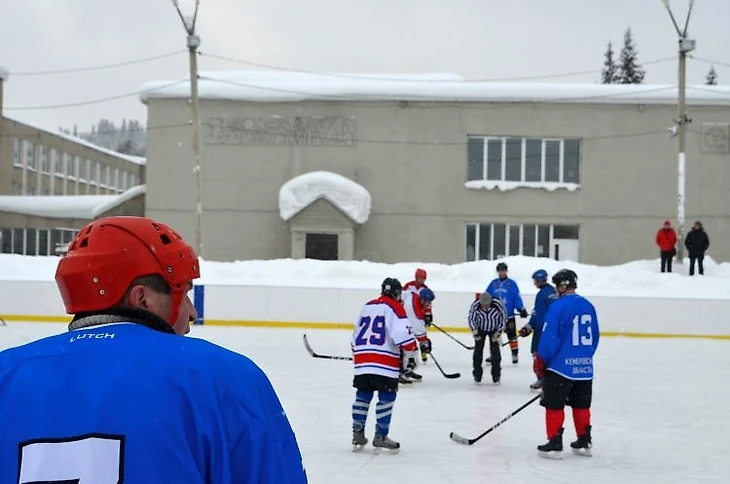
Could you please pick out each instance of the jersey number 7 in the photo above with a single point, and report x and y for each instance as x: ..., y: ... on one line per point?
x: 375, y: 328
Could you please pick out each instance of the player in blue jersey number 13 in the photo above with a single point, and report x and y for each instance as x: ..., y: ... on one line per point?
x: 123, y: 396
x: 568, y: 342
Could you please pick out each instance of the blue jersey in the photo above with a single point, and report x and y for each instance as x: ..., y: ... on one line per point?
x: 544, y: 297
x: 570, y: 337
x: 506, y: 290
x: 125, y: 403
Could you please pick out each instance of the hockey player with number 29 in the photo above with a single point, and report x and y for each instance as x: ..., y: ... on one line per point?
x: 567, y: 345
x: 124, y: 396
x: 381, y: 331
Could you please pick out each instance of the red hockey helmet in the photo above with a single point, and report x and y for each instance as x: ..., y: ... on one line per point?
x: 421, y: 274
x: 109, y: 253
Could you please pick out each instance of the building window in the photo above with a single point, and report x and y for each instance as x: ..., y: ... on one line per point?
x: 133, y: 180
x: 71, y: 166
x: 489, y: 241
x: 30, y: 158
x: 6, y: 241
x: 58, y: 162
x: 529, y: 161
x: 45, y: 162
x: 123, y: 180
x: 17, y: 161
x: 17, y: 189
x: 29, y: 190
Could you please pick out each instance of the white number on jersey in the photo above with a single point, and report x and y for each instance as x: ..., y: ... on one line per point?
x: 86, y: 459
x: 582, y: 332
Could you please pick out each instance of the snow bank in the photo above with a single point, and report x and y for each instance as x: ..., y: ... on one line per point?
x: 634, y: 279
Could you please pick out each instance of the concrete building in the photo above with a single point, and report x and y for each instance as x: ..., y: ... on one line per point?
x: 43, y: 172
x: 455, y: 170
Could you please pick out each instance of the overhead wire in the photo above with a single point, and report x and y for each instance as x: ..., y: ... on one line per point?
x: 98, y: 67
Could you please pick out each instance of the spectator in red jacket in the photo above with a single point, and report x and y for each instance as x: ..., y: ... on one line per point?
x: 666, y: 239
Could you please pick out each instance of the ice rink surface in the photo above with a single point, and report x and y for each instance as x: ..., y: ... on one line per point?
x: 660, y: 412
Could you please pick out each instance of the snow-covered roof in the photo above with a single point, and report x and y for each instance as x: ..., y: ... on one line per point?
x: 348, y: 196
x: 284, y: 86
x: 4, y: 74
x: 84, y: 207
x: 79, y: 141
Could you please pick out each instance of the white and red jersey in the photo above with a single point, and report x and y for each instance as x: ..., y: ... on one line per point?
x: 412, y: 287
x: 380, y: 332
x: 416, y: 313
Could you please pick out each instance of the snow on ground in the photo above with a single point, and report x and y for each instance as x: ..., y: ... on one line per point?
x: 634, y: 279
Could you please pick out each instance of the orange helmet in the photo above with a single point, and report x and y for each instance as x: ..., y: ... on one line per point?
x: 421, y: 274
x: 109, y: 253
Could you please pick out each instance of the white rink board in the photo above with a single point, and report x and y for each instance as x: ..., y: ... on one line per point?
x: 293, y: 306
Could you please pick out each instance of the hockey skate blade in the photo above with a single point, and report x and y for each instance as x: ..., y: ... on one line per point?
x: 582, y: 452
x: 459, y: 439
x: 554, y: 455
x: 382, y: 450
x: 358, y: 447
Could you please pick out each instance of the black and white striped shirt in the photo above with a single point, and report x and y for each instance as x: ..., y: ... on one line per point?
x: 493, y: 318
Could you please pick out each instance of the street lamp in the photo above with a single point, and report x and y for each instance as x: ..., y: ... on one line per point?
x: 188, y: 15
x: 685, y: 46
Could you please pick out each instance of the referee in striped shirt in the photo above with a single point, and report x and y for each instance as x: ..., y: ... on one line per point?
x: 487, y: 319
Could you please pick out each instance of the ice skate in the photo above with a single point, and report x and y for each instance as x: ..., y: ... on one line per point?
x: 412, y: 375
x: 403, y: 379
x: 515, y: 358
x: 536, y: 385
x: 553, y: 449
x: 383, y: 442
x: 358, y: 440
x: 584, y: 444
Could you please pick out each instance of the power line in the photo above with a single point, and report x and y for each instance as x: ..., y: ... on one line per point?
x: 709, y: 61
x: 376, y: 78
x: 92, y: 101
x: 97, y: 67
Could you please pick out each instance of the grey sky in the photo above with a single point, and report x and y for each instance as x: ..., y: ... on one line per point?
x: 474, y: 38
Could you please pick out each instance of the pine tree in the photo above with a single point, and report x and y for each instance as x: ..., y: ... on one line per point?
x: 630, y: 71
x: 711, y: 79
x: 609, y: 73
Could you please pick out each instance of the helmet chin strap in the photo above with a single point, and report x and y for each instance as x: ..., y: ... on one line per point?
x: 177, y: 297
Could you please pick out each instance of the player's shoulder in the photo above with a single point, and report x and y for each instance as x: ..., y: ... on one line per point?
x: 388, y: 305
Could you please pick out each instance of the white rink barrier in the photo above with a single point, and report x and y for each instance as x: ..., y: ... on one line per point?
x: 305, y: 307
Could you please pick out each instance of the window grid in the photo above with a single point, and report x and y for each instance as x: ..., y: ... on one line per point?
x: 505, y: 248
x: 496, y: 148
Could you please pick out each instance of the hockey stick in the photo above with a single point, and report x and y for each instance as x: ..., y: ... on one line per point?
x: 2, y: 322
x: 463, y: 440
x: 326, y: 357
x: 447, y: 334
x: 450, y: 376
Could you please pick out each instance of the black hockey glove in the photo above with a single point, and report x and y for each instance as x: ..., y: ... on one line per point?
x: 428, y: 319
x: 526, y: 330
x: 523, y: 313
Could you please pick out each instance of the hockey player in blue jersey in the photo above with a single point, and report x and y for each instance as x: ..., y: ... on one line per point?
x: 568, y: 343
x: 545, y: 295
x: 123, y: 396
x: 507, y: 291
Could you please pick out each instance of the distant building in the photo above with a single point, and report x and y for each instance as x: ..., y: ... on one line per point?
x: 456, y: 171
x: 52, y: 184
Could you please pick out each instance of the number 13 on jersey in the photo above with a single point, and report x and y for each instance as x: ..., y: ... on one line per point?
x: 582, y: 332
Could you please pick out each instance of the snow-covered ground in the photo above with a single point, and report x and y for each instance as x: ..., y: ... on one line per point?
x: 634, y: 279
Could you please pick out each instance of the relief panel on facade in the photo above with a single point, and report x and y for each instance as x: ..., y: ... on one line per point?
x: 715, y: 138
x: 280, y: 131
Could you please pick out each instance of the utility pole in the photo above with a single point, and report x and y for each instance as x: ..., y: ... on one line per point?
x: 685, y: 46
x: 193, y: 42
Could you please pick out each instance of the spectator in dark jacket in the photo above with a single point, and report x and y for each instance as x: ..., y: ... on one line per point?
x: 666, y: 239
x: 696, y: 242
